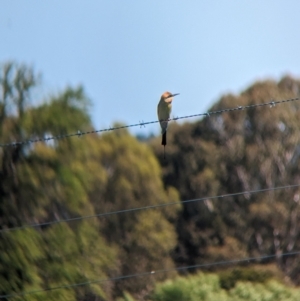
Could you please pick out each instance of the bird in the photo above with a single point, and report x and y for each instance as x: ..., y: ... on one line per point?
x: 164, y: 109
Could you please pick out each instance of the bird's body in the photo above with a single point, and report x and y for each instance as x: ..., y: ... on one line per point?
x: 164, y: 109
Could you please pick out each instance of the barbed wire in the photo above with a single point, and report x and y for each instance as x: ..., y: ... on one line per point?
x: 148, y: 207
x: 143, y: 274
x: 151, y: 273
x: 142, y: 123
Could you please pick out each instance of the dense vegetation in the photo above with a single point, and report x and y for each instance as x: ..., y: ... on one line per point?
x: 82, y: 176
x: 239, y: 151
x: 206, y: 287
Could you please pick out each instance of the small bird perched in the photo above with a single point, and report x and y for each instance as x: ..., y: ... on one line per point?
x: 163, y: 112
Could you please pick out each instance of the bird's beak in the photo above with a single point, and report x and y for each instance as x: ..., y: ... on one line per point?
x: 173, y: 95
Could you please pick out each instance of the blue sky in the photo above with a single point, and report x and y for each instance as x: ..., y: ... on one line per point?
x: 127, y: 53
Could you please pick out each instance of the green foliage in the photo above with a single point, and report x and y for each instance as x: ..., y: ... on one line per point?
x: 126, y: 297
x: 207, y: 287
x: 272, y: 291
x: 191, y: 288
x: 228, y: 279
x: 67, y: 178
x: 234, y: 152
x: 63, y: 113
x: 18, y: 250
x: 43, y: 182
x: 145, y: 239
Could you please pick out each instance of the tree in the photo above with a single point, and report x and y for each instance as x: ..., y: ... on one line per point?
x: 232, y: 152
x: 41, y: 183
x: 146, y: 238
x: 53, y: 180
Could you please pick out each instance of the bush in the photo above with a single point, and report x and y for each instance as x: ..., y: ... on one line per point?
x: 206, y: 287
x: 228, y: 279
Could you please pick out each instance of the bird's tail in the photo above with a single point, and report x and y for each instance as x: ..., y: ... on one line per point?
x: 164, y: 139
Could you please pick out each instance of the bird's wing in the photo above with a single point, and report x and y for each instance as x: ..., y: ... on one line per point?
x: 163, y: 112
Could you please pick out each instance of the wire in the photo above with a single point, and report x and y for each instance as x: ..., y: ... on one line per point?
x: 271, y: 104
x: 142, y: 124
x: 204, y: 265
x: 147, y: 207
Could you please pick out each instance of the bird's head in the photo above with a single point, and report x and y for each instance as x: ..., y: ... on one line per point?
x: 168, y: 97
